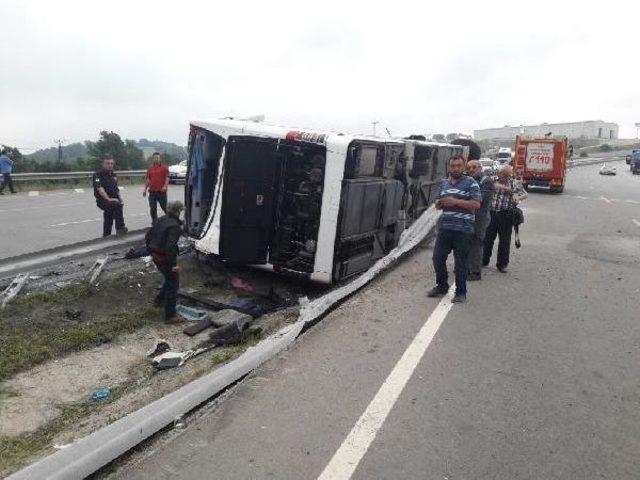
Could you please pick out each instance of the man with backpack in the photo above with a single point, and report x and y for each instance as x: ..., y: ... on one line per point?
x: 162, y: 241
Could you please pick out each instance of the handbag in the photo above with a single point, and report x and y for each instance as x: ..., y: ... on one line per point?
x: 517, y: 218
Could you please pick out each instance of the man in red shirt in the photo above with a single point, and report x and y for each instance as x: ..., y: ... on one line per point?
x: 157, y: 184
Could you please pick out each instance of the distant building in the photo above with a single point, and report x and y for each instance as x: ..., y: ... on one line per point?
x: 590, y: 129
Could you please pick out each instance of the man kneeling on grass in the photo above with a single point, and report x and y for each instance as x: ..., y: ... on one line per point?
x: 162, y: 241
x: 458, y: 199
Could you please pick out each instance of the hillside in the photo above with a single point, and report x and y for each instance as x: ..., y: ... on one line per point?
x: 175, y: 153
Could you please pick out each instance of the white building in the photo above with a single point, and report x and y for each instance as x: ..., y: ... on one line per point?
x: 590, y: 129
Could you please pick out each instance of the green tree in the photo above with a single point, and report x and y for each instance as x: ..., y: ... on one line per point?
x: 126, y: 154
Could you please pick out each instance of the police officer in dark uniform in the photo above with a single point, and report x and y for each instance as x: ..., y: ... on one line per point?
x: 162, y: 241
x: 105, y: 189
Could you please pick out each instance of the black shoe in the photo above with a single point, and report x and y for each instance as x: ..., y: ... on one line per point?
x: 121, y: 231
x: 502, y: 269
x: 459, y: 298
x: 437, y: 291
x: 473, y: 276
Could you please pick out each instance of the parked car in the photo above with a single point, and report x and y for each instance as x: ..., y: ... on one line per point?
x: 178, y: 173
x: 489, y: 167
x: 607, y: 170
x: 629, y: 158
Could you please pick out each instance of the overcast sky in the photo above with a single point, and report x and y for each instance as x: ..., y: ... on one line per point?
x: 144, y: 69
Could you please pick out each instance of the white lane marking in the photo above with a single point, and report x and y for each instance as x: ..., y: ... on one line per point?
x: 76, y: 222
x: 605, y: 199
x: 37, y: 208
x: 636, y: 222
x: 580, y: 197
x: 34, y: 193
x: 93, y: 220
x: 345, y: 461
x: 634, y: 202
x: 78, y: 190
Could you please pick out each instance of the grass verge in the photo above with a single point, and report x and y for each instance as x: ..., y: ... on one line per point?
x: 23, y: 346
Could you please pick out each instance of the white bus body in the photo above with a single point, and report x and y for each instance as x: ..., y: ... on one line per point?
x: 319, y: 205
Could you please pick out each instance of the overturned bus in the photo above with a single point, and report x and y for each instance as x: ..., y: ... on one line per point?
x: 318, y: 205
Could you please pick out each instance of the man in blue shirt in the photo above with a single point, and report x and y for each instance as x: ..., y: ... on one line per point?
x: 6, y: 168
x: 458, y: 199
x: 483, y: 216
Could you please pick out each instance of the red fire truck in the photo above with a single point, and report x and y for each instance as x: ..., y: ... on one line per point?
x: 541, y: 162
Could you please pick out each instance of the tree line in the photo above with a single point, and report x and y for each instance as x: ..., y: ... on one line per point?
x: 126, y: 153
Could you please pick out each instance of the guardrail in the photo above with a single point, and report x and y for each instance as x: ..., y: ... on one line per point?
x: 25, y: 177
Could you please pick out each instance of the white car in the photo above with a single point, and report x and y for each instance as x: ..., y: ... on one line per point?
x: 178, y: 173
x: 489, y: 167
x: 607, y: 170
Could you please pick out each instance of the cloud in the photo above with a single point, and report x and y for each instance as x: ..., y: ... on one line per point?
x: 145, y: 68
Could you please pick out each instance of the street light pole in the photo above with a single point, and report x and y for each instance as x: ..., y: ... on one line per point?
x: 374, y: 123
x: 59, y: 141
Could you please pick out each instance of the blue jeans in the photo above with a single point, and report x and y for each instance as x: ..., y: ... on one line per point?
x: 458, y: 242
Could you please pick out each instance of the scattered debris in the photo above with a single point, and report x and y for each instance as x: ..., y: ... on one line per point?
x: 213, y: 304
x: 169, y: 360
x: 100, y: 394
x: 137, y: 252
x: 233, y: 333
x: 13, y: 289
x: 241, y: 284
x: 96, y: 269
x: 179, y: 422
x: 247, y: 305
x: 198, y: 327
x: 159, y: 348
x: 190, y: 314
x: 228, y: 316
x: 175, y: 359
x: 254, y: 289
x: 72, y: 314
x: 102, y: 340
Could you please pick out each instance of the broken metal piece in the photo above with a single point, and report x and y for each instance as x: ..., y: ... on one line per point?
x: 96, y: 269
x: 13, y: 289
x: 175, y: 359
x: 227, y: 316
x: 198, y: 327
x: 215, y: 305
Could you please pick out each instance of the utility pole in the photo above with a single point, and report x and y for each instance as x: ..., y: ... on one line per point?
x: 59, y: 141
x: 374, y: 123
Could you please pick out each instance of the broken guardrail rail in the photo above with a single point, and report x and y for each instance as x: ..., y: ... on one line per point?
x: 10, y: 267
x: 87, y: 455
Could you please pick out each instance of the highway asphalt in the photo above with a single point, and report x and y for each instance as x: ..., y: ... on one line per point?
x: 536, y: 376
x: 39, y: 220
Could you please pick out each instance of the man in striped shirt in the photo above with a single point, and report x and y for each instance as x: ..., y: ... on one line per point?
x: 509, y: 193
x: 458, y: 199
